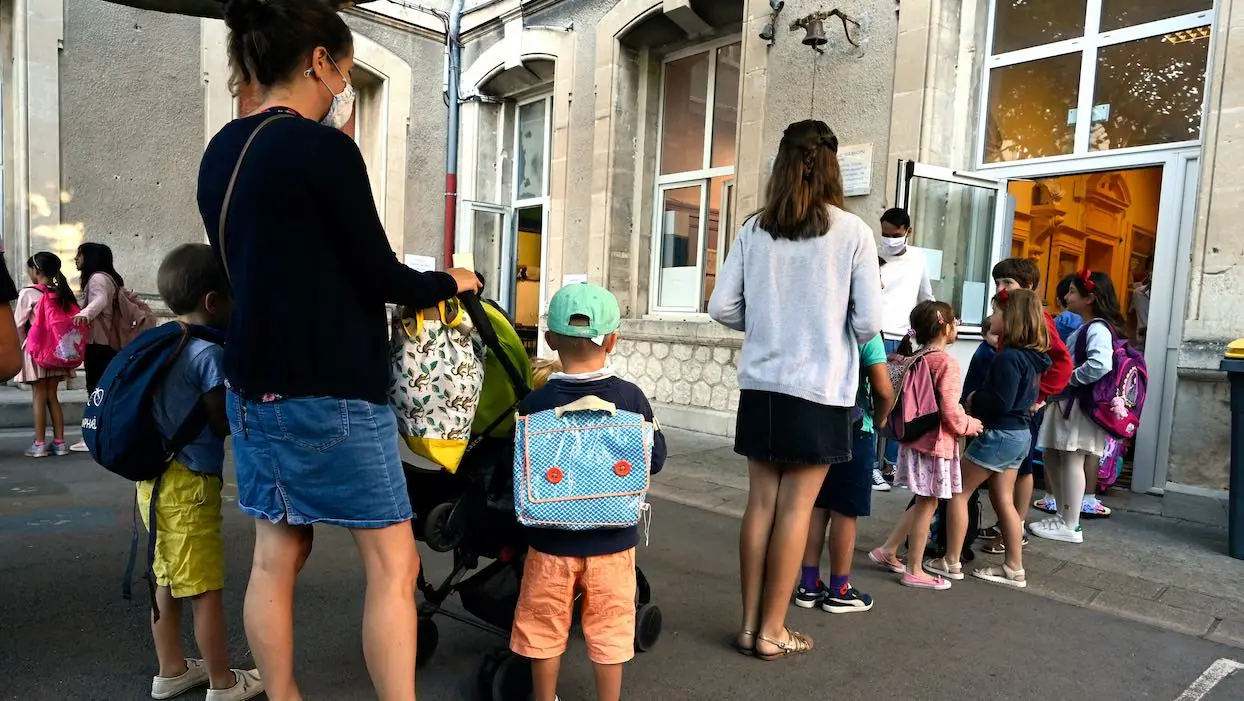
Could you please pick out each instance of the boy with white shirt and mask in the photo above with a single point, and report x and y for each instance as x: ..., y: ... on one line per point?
x: 905, y: 283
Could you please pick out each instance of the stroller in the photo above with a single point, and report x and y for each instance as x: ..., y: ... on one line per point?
x: 471, y: 514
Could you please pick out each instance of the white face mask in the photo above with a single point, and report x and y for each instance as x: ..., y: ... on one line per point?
x: 342, y: 109
x: 893, y: 246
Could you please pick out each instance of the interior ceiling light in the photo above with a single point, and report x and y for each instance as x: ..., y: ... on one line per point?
x: 1187, y: 35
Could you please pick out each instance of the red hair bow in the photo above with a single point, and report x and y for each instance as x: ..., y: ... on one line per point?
x: 1086, y: 277
x: 1003, y: 295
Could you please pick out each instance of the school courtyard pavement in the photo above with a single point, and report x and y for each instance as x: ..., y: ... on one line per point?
x: 1147, y: 608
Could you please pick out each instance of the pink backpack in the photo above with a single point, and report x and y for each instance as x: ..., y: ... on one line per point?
x: 1115, y: 401
x: 132, y: 316
x: 916, y: 410
x: 56, y: 341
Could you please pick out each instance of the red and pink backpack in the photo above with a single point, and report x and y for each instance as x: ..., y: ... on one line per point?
x: 1115, y: 401
x: 916, y: 410
x: 55, y: 340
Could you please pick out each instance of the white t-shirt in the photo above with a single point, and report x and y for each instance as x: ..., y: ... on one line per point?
x: 906, y: 283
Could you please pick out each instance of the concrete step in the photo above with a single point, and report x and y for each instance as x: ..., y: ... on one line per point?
x: 15, y: 406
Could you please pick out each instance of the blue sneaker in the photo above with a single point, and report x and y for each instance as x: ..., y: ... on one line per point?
x: 808, y: 598
x: 850, y: 601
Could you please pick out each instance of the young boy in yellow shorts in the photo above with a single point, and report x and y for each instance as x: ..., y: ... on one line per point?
x: 189, y: 551
x: 583, y: 323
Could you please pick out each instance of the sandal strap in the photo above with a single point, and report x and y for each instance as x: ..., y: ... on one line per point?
x: 795, y: 642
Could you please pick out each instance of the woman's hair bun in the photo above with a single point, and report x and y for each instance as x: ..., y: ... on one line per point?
x: 241, y: 15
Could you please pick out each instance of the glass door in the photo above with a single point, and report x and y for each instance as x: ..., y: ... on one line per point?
x: 961, y: 222
x: 487, y: 228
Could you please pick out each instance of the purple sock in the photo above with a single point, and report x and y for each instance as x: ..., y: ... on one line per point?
x: 810, y: 577
x: 838, y: 583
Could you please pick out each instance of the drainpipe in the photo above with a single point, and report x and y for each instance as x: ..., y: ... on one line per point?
x: 17, y: 242
x: 453, y: 47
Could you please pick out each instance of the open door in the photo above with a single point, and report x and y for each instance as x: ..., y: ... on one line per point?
x: 487, y: 228
x: 962, y: 223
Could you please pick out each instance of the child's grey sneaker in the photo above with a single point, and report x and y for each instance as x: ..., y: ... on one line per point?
x: 248, y: 686
x: 60, y: 449
x: 169, y: 687
x: 38, y: 450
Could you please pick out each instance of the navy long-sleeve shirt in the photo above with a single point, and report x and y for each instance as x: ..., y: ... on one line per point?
x: 626, y: 397
x: 1010, y: 389
x: 309, y: 260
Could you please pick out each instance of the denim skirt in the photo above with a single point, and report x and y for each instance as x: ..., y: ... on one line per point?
x: 318, y: 460
x: 999, y: 449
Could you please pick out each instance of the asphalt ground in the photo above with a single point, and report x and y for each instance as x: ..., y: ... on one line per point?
x: 65, y: 632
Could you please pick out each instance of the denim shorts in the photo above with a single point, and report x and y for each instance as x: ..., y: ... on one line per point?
x: 848, y: 486
x: 1000, y: 449
x: 318, y: 460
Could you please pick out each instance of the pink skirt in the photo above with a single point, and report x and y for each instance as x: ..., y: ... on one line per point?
x: 928, y: 476
x: 31, y: 373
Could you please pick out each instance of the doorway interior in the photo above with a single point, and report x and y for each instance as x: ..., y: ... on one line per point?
x: 1128, y: 216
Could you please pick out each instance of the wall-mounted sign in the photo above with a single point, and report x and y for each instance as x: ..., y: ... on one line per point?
x: 856, y: 164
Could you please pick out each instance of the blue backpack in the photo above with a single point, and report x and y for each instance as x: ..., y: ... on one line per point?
x: 119, y: 427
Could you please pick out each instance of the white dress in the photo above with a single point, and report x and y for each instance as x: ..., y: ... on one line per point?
x: 1077, y: 433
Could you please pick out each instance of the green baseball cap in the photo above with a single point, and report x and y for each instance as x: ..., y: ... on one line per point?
x: 592, y: 302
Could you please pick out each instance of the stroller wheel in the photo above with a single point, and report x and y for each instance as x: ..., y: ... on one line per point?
x: 429, y: 636
x: 441, y: 533
x: 647, y: 627
x: 512, y: 680
x: 488, y: 665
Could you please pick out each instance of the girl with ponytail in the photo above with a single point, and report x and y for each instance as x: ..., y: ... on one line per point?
x: 44, y: 271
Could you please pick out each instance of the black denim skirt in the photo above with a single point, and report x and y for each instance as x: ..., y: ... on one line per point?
x: 774, y: 427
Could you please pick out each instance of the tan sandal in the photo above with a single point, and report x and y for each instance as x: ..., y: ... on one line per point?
x: 795, y: 644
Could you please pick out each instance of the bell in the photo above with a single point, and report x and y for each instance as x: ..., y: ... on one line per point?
x: 816, y: 34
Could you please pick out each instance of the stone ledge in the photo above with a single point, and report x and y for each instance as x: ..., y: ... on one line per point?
x: 698, y: 419
x: 697, y: 333
x: 1195, y: 504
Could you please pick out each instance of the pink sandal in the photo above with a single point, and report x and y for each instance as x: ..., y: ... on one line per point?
x: 926, y: 582
x: 887, y: 561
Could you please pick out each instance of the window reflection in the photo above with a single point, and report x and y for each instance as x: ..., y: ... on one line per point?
x: 1150, y: 91
x: 1031, y: 109
x: 1116, y: 14
x: 1022, y: 24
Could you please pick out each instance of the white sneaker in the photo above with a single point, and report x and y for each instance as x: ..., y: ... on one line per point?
x: 168, y: 687
x: 79, y: 447
x: 1056, y: 529
x: 879, y: 483
x: 248, y: 686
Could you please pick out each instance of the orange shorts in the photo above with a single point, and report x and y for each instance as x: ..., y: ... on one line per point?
x: 546, y: 605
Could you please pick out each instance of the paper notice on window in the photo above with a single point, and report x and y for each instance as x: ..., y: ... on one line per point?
x: 856, y: 164
x: 421, y: 263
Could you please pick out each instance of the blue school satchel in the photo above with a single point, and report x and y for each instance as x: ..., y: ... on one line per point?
x: 582, y: 466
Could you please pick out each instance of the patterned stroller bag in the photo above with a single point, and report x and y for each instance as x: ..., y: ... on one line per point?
x: 582, y: 466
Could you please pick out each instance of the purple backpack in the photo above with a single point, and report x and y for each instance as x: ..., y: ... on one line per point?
x: 916, y: 411
x: 1115, y: 401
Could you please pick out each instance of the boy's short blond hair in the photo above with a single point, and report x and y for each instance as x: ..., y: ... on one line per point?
x: 542, y: 369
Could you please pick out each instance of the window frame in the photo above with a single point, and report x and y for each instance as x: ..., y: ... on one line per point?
x: 1088, y: 47
x: 702, y: 178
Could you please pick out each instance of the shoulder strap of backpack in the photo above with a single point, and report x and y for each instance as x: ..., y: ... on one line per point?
x: 233, y: 180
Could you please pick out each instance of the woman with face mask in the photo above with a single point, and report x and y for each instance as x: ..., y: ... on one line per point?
x: 286, y: 201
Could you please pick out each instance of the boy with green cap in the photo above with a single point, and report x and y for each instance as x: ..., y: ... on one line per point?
x: 583, y: 322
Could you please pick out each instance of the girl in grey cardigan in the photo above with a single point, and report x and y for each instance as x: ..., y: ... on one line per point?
x: 802, y: 284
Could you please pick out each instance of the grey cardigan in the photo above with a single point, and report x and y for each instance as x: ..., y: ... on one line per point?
x: 804, y: 307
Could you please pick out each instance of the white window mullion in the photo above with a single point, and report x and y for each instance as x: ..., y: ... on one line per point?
x: 709, y: 108
x: 1088, y: 78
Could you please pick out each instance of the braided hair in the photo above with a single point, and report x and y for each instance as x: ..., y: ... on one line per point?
x: 806, y: 180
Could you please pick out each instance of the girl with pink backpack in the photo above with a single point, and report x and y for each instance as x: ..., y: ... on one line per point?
x: 1103, y: 400
x: 928, y: 456
x: 53, y: 344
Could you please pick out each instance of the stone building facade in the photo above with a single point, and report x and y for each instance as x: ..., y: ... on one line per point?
x: 624, y: 141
